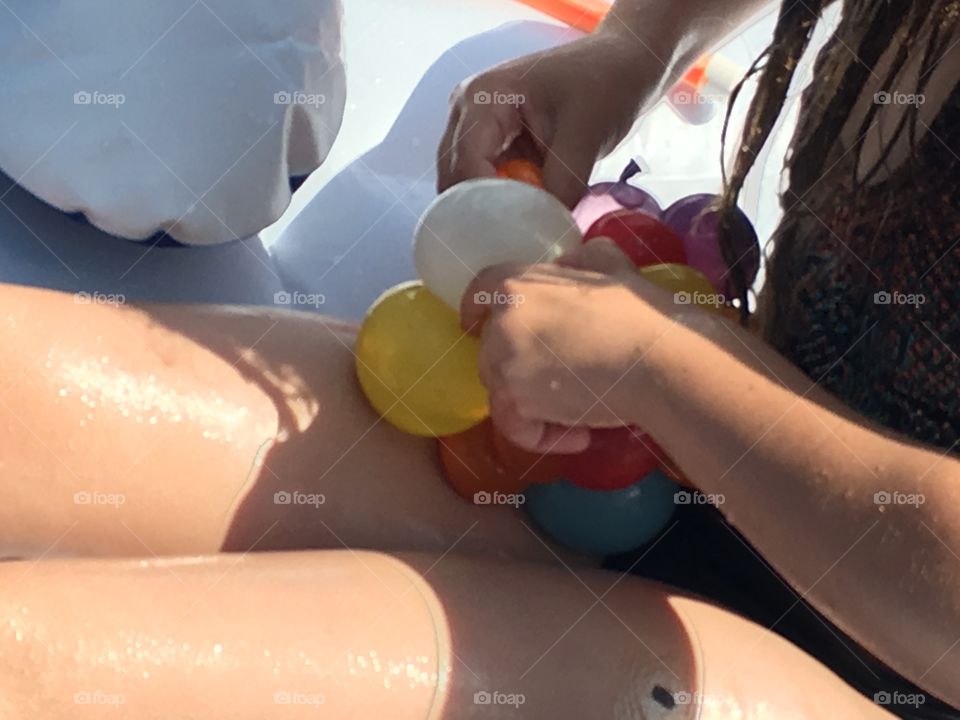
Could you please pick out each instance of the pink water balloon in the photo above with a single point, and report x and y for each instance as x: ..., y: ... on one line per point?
x: 606, y: 197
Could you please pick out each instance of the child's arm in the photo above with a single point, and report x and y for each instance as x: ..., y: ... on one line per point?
x: 574, y: 103
x: 803, y: 477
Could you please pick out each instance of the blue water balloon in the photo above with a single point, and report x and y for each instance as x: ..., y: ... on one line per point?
x: 603, y: 522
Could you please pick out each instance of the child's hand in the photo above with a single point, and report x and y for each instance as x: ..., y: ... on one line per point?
x: 560, y: 345
x: 571, y: 104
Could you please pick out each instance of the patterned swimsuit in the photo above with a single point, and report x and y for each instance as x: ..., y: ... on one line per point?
x: 875, y: 321
x: 880, y: 327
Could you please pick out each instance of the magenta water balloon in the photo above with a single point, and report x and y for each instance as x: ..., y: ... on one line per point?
x: 694, y: 220
x: 606, y: 197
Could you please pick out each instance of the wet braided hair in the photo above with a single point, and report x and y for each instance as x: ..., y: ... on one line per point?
x: 868, y: 29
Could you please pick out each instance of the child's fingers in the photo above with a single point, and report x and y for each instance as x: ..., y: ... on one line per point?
x: 599, y: 255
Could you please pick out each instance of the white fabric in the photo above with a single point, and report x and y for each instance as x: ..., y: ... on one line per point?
x: 187, y: 116
x: 354, y: 239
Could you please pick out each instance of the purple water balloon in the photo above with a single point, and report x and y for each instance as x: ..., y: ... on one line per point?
x: 698, y: 225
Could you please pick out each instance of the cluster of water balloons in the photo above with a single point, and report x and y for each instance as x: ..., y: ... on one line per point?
x: 419, y: 369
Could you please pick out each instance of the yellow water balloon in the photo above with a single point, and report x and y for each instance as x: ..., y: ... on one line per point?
x: 688, y: 285
x: 418, y: 369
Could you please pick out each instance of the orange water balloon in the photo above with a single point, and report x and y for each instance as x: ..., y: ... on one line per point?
x: 471, y: 466
x: 522, y: 171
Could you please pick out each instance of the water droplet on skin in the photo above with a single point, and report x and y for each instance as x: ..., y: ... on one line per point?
x: 218, y: 649
x: 62, y: 392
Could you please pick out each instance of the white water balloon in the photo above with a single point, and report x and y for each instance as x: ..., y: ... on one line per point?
x: 484, y: 222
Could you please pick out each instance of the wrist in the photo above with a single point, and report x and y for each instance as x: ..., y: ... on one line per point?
x: 656, y: 36
x: 649, y: 326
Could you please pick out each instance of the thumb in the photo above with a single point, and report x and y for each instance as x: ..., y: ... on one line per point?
x: 568, y: 164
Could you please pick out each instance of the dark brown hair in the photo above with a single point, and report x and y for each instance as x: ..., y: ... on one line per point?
x: 869, y: 28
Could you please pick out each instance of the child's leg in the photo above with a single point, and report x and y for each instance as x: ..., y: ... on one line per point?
x: 361, y: 635
x: 174, y: 429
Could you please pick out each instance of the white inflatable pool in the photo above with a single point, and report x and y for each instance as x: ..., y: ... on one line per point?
x: 346, y: 235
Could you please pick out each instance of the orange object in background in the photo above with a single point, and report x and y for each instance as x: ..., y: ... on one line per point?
x: 582, y: 14
x: 471, y: 466
x: 522, y: 171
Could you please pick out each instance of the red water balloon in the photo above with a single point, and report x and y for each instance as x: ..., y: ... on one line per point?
x: 615, y: 459
x: 645, y: 239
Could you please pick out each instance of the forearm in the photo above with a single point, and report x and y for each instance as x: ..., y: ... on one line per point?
x: 796, y: 467
x: 675, y: 34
